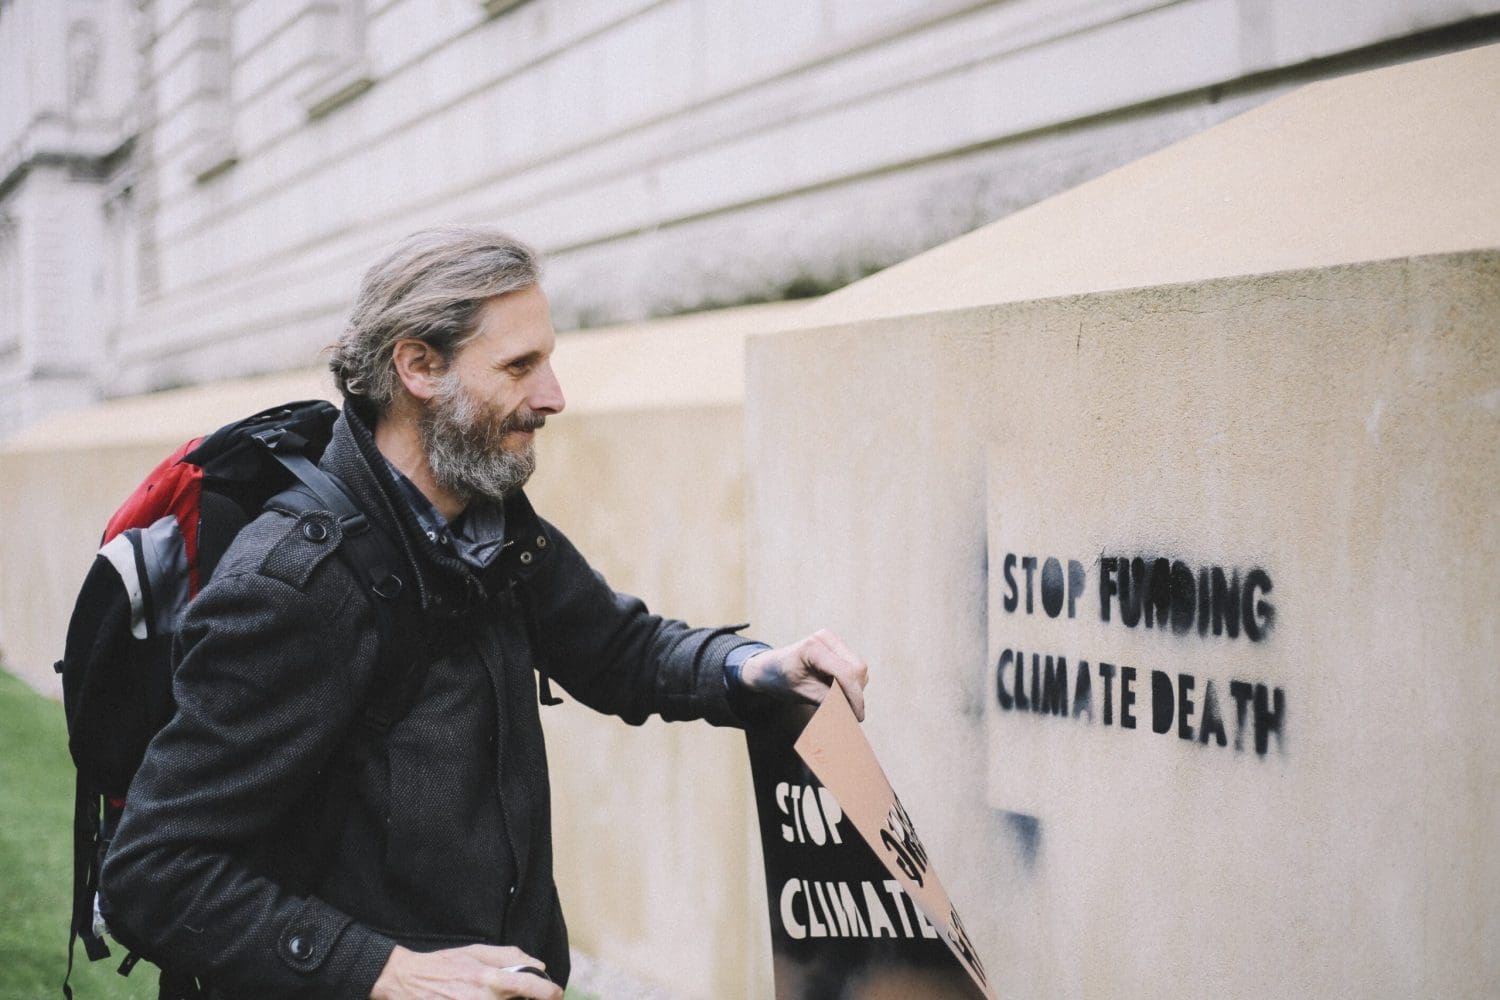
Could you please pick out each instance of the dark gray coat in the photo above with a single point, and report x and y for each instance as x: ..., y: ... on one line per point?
x: 252, y: 855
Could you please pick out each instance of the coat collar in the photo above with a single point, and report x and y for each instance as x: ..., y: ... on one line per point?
x: 446, y: 585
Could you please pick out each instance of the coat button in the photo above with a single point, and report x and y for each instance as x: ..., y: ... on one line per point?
x: 300, y: 947
x: 541, y: 541
x: 315, y: 531
x: 526, y: 558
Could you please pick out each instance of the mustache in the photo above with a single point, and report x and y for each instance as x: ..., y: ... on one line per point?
x: 530, y: 421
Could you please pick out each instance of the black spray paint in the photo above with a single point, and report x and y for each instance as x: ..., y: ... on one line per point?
x: 1161, y: 594
x: 1038, y: 683
x: 1143, y: 592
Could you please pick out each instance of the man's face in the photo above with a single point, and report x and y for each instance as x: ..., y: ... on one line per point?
x: 478, y: 427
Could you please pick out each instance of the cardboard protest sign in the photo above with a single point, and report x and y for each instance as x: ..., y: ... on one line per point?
x: 856, y: 909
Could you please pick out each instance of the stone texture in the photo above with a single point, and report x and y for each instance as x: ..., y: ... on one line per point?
x: 669, y: 156
x: 1336, y: 425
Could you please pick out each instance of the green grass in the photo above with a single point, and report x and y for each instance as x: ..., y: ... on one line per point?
x: 36, y: 861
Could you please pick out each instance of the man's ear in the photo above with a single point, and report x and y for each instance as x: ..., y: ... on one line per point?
x: 418, y: 366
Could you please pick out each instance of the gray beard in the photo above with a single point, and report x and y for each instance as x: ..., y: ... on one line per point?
x: 464, y: 441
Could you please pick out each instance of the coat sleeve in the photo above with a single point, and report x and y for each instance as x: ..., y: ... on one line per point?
x: 611, y: 653
x: 268, y: 685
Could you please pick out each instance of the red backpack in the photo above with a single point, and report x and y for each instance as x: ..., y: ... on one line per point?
x: 159, y: 549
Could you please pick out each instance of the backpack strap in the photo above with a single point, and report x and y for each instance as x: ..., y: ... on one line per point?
x: 373, y: 553
x: 369, y: 553
x: 377, y: 562
x: 87, y: 851
x: 375, y: 559
x: 89, y: 845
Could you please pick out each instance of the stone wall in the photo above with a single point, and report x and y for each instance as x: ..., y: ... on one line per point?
x: 1177, y: 597
x: 669, y: 156
x: 1323, y: 830
x: 66, y: 116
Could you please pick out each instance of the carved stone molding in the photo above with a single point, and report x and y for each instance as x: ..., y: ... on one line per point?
x: 494, y: 8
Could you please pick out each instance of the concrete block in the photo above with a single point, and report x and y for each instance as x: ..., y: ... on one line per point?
x: 1325, y: 426
x: 1304, y: 804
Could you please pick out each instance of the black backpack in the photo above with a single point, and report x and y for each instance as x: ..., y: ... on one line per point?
x: 158, y: 550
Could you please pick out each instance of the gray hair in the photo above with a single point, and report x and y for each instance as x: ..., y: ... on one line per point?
x: 429, y: 287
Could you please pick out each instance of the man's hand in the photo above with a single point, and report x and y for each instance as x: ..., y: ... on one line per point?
x: 477, y: 972
x: 806, y: 670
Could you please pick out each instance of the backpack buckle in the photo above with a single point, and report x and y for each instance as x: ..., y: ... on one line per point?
x: 269, y: 439
x: 279, y: 439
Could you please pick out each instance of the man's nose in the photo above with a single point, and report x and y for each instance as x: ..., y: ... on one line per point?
x: 548, y: 395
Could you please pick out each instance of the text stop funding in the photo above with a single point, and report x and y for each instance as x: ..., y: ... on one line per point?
x: 1141, y: 592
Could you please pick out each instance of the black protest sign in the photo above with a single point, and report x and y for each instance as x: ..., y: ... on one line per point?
x: 856, y: 910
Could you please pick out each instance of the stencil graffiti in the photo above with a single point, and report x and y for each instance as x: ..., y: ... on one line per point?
x: 1146, y: 592
x: 1259, y: 710
x: 1166, y: 595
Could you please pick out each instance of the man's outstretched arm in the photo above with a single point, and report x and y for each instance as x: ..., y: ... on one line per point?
x: 613, y: 655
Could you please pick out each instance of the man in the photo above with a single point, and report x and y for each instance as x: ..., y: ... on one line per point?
x: 248, y: 855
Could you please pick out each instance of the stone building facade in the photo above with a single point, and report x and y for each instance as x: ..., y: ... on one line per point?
x: 190, y: 188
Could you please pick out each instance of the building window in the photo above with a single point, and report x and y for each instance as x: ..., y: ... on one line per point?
x: 211, y: 151
x: 122, y: 276
x: 344, y: 67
